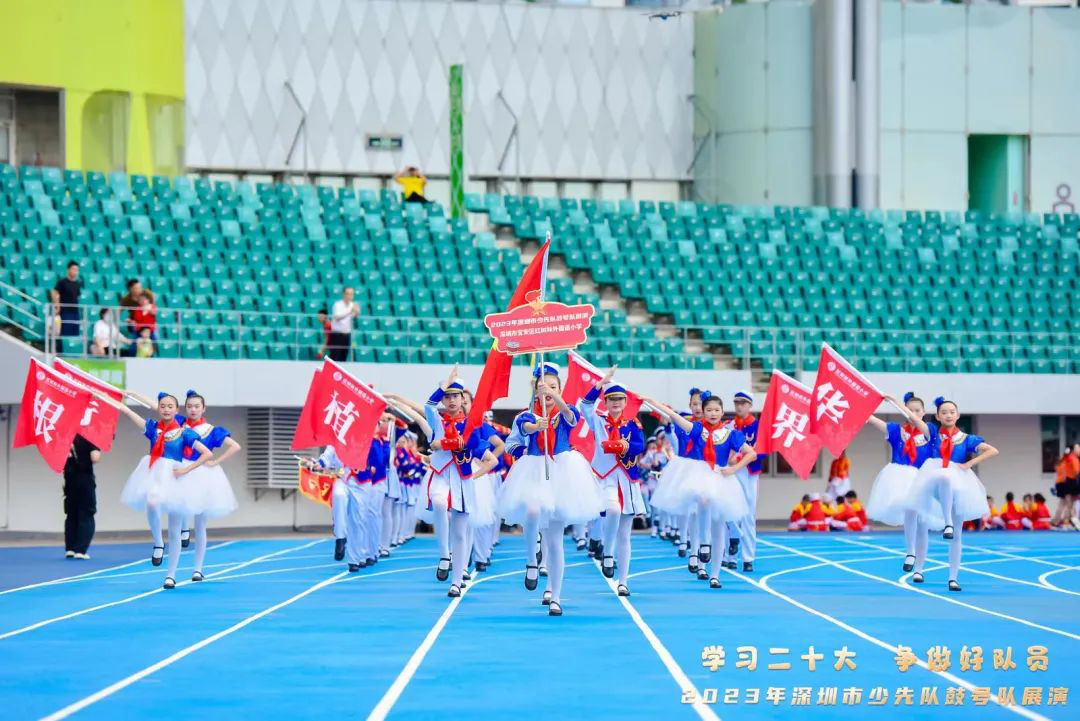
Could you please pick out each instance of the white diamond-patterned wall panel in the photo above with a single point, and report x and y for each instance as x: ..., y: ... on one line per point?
x: 599, y: 93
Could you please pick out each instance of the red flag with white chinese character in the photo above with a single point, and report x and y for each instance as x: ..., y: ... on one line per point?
x: 304, y: 437
x: 581, y: 376
x: 98, y: 424
x: 52, y: 409
x: 344, y: 413
x: 843, y: 399
x: 316, y: 486
x: 784, y: 425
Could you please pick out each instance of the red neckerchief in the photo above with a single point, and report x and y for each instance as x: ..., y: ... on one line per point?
x: 548, y: 438
x: 450, y: 429
x: 189, y: 452
x: 158, y: 449
x: 613, y: 425
x: 710, y: 449
x: 947, y: 445
x: 741, y: 423
x: 909, y: 443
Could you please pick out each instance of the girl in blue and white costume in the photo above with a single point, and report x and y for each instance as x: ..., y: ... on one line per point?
x: 946, y: 491
x: 670, y: 481
x: 910, y: 446
x: 450, y: 494
x: 159, y: 482
x: 551, y: 494
x: 709, y: 484
x: 214, y: 494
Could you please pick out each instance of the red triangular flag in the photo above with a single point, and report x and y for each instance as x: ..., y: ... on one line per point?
x: 345, y: 413
x: 52, y: 408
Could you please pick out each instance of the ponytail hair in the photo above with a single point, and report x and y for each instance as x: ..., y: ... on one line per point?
x: 941, y: 400
x: 163, y: 395
x: 192, y: 394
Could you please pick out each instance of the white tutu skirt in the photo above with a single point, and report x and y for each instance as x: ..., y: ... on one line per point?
x: 526, y: 492
x: 667, y: 485
x: 890, y: 492
x: 157, y: 486
x: 480, y: 502
x: 210, y: 492
x: 578, y: 499
x: 968, y: 494
x: 699, y: 484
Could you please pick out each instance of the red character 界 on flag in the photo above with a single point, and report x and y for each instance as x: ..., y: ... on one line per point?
x: 53, y: 406
x: 842, y: 401
x: 784, y: 425
x: 581, y: 376
x: 98, y: 424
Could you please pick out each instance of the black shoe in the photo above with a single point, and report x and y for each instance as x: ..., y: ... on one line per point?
x: 599, y: 552
x: 609, y: 571
x: 546, y: 600
x: 354, y: 567
x: 481, y: 566
x: 442, y: 573
x: 581, y: 544
x: 682, y: 550
x: 705, y: 552
x: 540, y: 550
x: 530, y: 583
x: 948, y: 533
x: 362, y: 564
x: 593, y: 545
x: 692, y: 564
x: 170, y: 583
x: 339, y: 549
x: 954, y: 586
x: 554, y: 609
x: 454, y: 591
x: 185, y: 538
x: 748, y: 567
x: 733, y: 547
x: 702, y: 574
x: 909, y: 564
x: 729, y: 565
x: 156, y: 559
x: 622, y: 590
x: 714, y: 583
x: 372, y: 561
x: 196, y: 577
x: 466, y: 576
x: 916, y: 577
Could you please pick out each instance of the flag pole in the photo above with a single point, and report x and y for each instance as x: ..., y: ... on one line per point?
x: 543, y: 410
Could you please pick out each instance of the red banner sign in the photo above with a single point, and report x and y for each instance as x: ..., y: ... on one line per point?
x: 540, y: 326
x: 52, y: 409
x: 784, y: 424
x: 843, y: 400
x: 316, y: 486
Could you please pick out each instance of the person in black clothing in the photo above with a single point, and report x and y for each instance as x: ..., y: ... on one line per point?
x: 80, y: 498
x: 65, y: 298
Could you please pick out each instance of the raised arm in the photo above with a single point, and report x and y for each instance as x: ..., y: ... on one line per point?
x: 140, y: 398
x: 916, y: 421
x: 879, y: 424
x: 567, y: 414
x: 138, y: 420
x: 402, y: 401
x: 415, y: 416
x: 672, y: 415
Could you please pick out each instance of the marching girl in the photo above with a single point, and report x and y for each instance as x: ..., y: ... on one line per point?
x: 910, y: 446
x: 619, y: 444
x: 450, y: 493
x: 711, y: 485
x: 746, y: 423
x: 378, y: 470
x: 485, y: 537
x: 946, y: 491
x: 551, y: 494
x: 159, y: 481
x: 394, y: 497
x: 669, y: 483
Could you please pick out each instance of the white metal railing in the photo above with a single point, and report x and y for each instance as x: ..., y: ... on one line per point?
x: 21, y: 314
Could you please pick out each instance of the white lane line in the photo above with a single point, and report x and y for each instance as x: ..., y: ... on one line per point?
x: 386, y: 703
x: 1032, y: 559
x: 672, y: 666
x: 129, y: 599
x: 939, y: 565
x: 1048, y: 574
x: 953, y: 601
x: 94, y: 575
x: 763, y: 584
x: 168, y: 661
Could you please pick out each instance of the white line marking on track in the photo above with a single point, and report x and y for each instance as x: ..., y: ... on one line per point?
x: 168, y: 661
x: 1043, y: 581
x: 129, y: 599
x: 666, y: 658
x: 763, y: 584
x: 953, y: 601
x: 94, y: 575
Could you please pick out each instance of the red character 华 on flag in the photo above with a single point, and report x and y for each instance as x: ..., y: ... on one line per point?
x: 842, y: 401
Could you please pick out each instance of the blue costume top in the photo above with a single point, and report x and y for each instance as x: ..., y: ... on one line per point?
x: 558, y: 423
x: 213, y: 437
x: 178, y: 441
x: 749, y: 430
x: 725, y: 439
x: 378, y: 461
x: 896, y: 437
x: 964, y: 445
x: 475, y: 446
x: 604, y: 463
x: 682, y: 440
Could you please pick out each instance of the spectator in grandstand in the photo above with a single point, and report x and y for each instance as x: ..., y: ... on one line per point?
x: 144, y: 346
x: 65, y: 299
x: 341, y: 322
x: 1067, y: 486
x: 145, y: 314
x: 324, y: 321
x: 106, y: 334
x: 412, y: 183
x: 130, y: 301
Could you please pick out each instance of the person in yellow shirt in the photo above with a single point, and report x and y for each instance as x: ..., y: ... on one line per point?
x: 412, y: 183
x: 797, y: 520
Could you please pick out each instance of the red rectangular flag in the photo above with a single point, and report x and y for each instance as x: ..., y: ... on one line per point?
x: 495, y: 380
x: 316, y: 486
x: 304, y: 437
x: 52, y: 408
x: 344, y: 413
x: 580, y: 377
x: 784, y: 425
x: 843, y: 400
x: 98, y: 423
